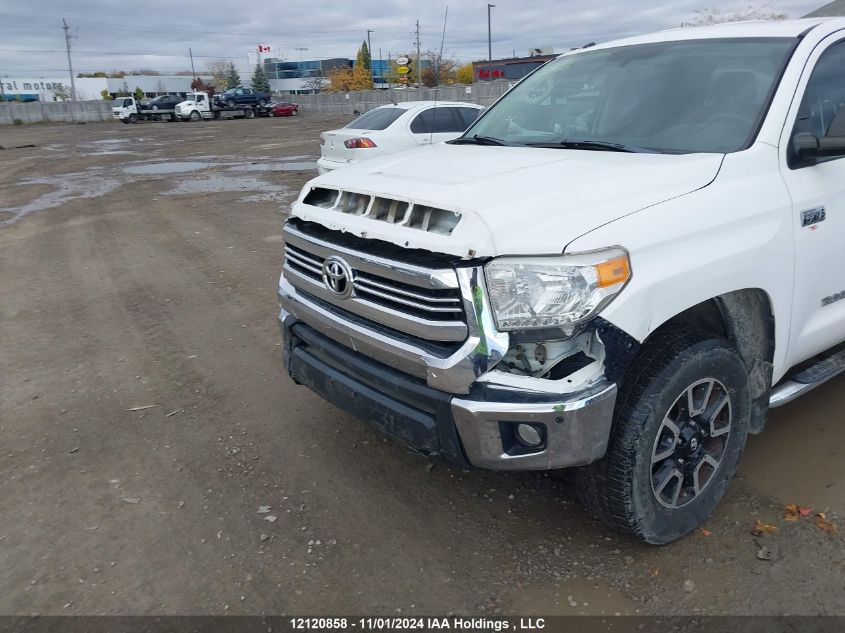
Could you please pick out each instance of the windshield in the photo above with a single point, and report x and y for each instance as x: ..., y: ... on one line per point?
x: 378, y: 119
x: 121, y: 102
x: 677, y: 97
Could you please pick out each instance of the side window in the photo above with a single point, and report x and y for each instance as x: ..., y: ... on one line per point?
x: 436, y: 120
x: 247, y: 91
x: 239, y: 92
x: 822, y: 111
x: 468, y: 115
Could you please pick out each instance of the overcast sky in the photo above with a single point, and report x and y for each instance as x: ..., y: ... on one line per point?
x: 156, y: 34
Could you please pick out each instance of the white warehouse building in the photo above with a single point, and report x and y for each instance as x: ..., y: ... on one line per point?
x: 28, y: 88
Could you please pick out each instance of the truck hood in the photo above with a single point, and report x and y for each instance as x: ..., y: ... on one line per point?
x: 512, y: 200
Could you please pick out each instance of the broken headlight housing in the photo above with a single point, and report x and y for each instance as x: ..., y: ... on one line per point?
x: 559, y: 291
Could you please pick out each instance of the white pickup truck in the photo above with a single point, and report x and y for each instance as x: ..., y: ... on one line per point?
x: 620, y: 267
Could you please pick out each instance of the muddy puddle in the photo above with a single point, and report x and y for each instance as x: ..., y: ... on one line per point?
x: 222, y: 183
x: 57, y: 190
x: 577, y: 596
x: 174, y: 167
x: 285, y: 166
x: 184, y: 177
x: 800, y: 457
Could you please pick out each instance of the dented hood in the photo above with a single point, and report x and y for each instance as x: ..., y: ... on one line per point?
x: 512, y: 200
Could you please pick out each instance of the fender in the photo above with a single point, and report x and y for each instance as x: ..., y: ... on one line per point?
x: 696, y: 247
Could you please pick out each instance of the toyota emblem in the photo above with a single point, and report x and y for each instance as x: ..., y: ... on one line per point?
x: 337, y: 277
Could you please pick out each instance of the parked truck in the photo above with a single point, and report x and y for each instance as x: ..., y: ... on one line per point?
x: 619, y: 268
x: 242, y: 96
x: 198, y: 106
x: 129, y: 110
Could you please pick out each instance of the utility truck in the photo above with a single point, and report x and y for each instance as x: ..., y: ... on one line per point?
x: 619, y: 268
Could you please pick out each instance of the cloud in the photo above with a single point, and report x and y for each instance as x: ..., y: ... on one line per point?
x: 157, y: 34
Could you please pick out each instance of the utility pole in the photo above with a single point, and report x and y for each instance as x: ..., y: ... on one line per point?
x: 370, y: 53
x: 419, y: 76
x: 489, y: 36
x: 66, y: 28
x: 191, y: 55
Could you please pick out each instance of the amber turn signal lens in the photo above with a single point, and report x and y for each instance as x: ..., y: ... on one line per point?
x: 613, y: 272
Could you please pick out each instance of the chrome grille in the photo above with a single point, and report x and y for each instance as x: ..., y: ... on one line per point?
x: 424, y: 303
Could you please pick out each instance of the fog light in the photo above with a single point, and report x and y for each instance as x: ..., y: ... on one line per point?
x: 529, y: 435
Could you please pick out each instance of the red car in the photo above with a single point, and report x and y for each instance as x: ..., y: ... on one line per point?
x: 285, y: 109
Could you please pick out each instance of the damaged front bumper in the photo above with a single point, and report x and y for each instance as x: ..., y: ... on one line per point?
x: 365, y: 372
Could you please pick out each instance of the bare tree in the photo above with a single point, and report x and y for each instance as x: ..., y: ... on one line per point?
x: 315, y: 83
x: 219, y: 69
x: 441, y: 69
x: 704, y: 17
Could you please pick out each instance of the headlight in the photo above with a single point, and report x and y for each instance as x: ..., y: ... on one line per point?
x: 559, y: 291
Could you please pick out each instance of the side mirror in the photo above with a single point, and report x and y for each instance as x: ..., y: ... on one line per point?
x: 808, y: 147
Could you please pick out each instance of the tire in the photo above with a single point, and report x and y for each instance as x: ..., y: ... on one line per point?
x: 249, y: 113
x: 295, y: 113
x: 155, y: 107
x: 172, y: 118
x: 133, y: 118
x: 657, y: 481
x: 231, y: 103
x: 195, y: 116
x: 126, y: 121
x: 262, y: 102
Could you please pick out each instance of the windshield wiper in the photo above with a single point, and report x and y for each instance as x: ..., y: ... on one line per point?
x: 605, y: 146
x: 479, y: 140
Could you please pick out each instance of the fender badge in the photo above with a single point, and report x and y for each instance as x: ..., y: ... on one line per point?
x: 810, y: 217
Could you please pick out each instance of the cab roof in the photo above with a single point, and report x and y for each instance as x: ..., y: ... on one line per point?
x: 749, y: 29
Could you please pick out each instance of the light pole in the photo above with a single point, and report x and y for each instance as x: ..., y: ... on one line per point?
x: 370, y: 53
x: 489, y: 37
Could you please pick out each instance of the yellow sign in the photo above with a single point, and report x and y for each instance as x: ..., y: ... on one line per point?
x: 403, y: 70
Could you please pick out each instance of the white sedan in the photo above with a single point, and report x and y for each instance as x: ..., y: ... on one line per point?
x: 392, y: 128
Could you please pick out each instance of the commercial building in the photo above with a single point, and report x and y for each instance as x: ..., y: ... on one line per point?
x: 297, y: 77
x: 513, y: 68
x: 24, y: 88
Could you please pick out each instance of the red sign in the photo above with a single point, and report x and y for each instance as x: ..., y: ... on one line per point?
x: 490, y: 74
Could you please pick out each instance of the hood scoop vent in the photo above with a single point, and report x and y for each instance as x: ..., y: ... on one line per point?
x: 414, y: 216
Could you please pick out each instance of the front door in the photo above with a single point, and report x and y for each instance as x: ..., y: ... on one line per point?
x: 818, y: 197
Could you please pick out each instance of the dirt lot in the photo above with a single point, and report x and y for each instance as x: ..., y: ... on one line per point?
x: 139, y: 266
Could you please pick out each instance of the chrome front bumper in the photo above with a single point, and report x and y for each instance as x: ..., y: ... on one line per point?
x: 576, y: 429
x: 576, y: 425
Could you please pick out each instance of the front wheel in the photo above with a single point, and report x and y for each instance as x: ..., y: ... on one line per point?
x: 295, y: 113
x: 195, y: 116
x: 249, y: 114
x: 231, y: 103
x: 262, y: 102
x: 680, y: 425
x: 133, y: 118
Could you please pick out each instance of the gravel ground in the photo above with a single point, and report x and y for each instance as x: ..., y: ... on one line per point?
x: 154, y: 458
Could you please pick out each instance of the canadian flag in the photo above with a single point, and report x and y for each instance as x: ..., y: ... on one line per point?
x: 263, y: 48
